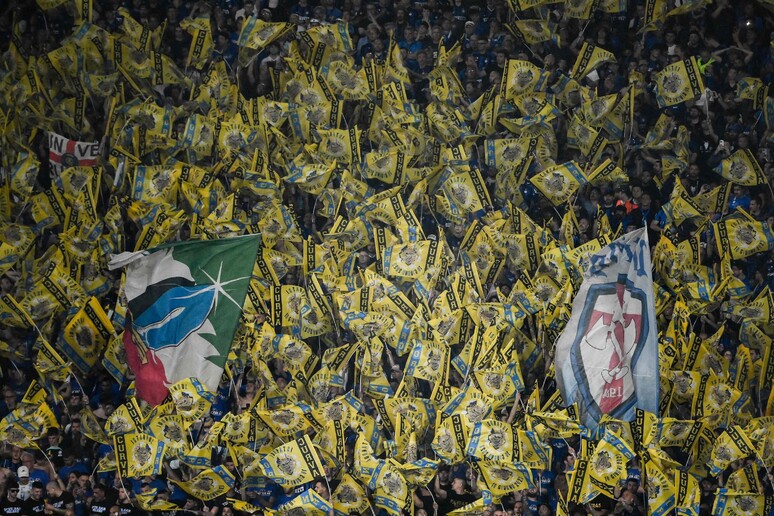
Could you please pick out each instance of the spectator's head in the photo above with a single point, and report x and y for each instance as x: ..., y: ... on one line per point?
x: 53, y: 437
x: 623, y: 193
x: 37, y: 490
x: 737, y: 269
x: 24, y: 475
x: 321, y: 488
x: 459, y: 484
x: 755, y: 206
x: 223, y: 40
x: 99, y: 492
x: 6, y: 285
x: 12, y: 490
x: 192, y: 504
x: 9, y: 397
x: 75, y: 425
x: 53, y: 490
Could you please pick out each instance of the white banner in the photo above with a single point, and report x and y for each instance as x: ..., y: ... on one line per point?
x: 607, y: 357
x: 65, y: 153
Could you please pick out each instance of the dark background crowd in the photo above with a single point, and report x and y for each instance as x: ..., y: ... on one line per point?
x: 732, y: 40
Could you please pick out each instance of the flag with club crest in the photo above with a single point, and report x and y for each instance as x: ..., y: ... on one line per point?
x: 64, y: 153
x: 609, y: 349
x: 185, y: 300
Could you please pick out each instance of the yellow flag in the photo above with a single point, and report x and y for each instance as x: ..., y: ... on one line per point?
x: 535, y: 31
x: 748, y: 88
x: 243, y: 506
x: 201, y: 42
x: 409, y: 260
x: 286, y: 420
x: 608, y: 462
x: 427, y: 360
x: 12, y: 314
x: 349, y: 496
x: 687, y: 494
x: 257, y: 34
x: 451, y: 439
x: 388, y: 167
x: 655, y: 13
x: 742, y: 168
x: 171, y: 429
x: 392, y: 493
x: 198, y: 457
x: 559, y: 182
x: 24, y: 174
x: 520, y: 77
x: 733, y: 444
x: 86, y: 335
x: 138, y: 455
x: 209, y: 484
x: 503, y: 477
x: 349, y: 83
x: 734, y: 503
x: 125, y: 419
x: 191, y: 400
x: 493, y: 440
x: 308, y: 502
x: 744, y: 480
x: 581, y: 489
x: 394, y: 69
x: 287, y: 303
x: 35, y: 394
x: 589, y: 58
x: 293, y: 463
x: 661, y: 489
x: 148, y: 502
x: 759, y: 311
x: 679, y: 82
x: 114, y: 360
x: 741, y: 237
x: 580, y: 9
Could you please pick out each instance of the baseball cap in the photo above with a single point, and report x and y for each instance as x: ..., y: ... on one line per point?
x: 23, y: 472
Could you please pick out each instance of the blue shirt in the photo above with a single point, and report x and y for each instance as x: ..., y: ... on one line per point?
x: 284, y: 498
x: 78, y: 467
x: 739, y: 202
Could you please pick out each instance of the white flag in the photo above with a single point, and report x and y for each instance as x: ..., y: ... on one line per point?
x: 65, y: 153
x: 607, y: 357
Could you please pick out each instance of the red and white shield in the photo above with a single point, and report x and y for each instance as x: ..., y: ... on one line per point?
x: 613, y: 331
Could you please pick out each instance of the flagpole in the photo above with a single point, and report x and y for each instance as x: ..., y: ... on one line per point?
x: 435, y: 504
x: 53, y: 469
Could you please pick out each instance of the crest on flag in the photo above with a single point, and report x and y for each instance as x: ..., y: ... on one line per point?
x: 609, y: 351
x: 65, y: 153
x: 611, y: 330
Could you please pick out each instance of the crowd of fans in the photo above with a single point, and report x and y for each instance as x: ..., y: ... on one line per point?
x: 731, y: 39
